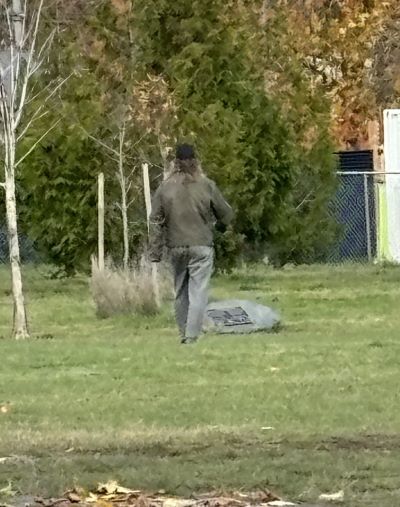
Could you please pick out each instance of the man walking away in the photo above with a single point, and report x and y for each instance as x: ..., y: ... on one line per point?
x: 186, y: 208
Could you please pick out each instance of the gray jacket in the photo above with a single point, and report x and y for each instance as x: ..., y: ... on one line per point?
x: 185, y: 212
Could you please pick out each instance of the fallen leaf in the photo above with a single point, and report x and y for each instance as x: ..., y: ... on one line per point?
x: 280, y: 503
x: 92, y: 498
x: 177, y: 502
x: 125, y: 491
x: 107, y: 488
x: 332, y: 497
x: 73, y: 497
x: 112, y: 488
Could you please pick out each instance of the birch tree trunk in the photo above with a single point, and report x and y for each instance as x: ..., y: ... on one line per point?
x: 24, y: 62
x: 20, y: 325
x: 124, y: 196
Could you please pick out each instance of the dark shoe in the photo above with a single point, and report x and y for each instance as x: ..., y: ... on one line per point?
x: 188, y: 341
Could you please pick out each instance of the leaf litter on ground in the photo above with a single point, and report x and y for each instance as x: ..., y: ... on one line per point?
x: 111, y: 494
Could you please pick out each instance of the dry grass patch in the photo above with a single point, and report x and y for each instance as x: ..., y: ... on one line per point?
x: 137, y: 290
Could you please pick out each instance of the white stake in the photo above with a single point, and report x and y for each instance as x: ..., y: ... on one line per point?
x: 101, y: 221
x: 147, y: 198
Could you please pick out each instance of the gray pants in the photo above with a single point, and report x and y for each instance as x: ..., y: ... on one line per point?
x: 192, y: 268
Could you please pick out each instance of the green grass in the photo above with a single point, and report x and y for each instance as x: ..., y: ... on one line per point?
x: 92, y: 400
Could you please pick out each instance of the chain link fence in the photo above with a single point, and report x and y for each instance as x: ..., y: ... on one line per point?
x: 359, y: 209
x: 27, y: 249
x: 364, y: 210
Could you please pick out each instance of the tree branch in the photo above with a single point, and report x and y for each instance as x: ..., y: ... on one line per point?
x: 12, y: 42
x: 5, y: 114
x: 104, y: 145
x: 20, y: 46
x: 39, y: 57
x: 36, y: 143
x: 36, y: 115
x: 306, y: 199
x: 28, y: 126
x: 28, y: 66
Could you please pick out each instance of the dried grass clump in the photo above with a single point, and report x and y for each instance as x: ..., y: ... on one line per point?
x: 132, y: 291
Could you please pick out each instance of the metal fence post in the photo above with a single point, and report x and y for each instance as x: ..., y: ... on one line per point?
x: 367, y: 218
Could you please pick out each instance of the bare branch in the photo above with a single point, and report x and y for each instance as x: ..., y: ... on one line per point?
x: 36, y: 115
x: 30, y: 123
x: 28, y: 66
x: 24, y: 11
x: 11, y: 67
x: 104, y: 145
x: 306, y: 199
x: 2, y: 185
x: 147, y: 161
x: 34, y: 97
x: 5, y: 113
x: 60, y: 84
x: 5, y: 129
x: 20, y: 46
x: 122, y: 131
x: 27, y: 32
x: 37, y: 142
x: 139, y: 140
x: 40, y: 58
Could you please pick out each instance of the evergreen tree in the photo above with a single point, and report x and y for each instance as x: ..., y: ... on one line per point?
x: 198, y: 71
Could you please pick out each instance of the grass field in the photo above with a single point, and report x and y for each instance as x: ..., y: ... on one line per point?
x: 92, y: 400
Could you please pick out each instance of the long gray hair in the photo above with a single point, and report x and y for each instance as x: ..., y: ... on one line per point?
x: 186, y: 170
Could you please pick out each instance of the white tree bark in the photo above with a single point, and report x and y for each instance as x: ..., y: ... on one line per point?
x: 7, y: 97
x: 101, y: 222
x: 124, y: 195
x: 23, y: 62
x: 20, y: 325
x: 17, y: 19
x: 125, y: 182
x: 147, y: 198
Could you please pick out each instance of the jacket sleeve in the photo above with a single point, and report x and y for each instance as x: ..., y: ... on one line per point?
x: 156, y: 233
x: 222, y: 210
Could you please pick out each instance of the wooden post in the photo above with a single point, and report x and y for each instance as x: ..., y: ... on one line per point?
x: 101, y: 222
x: 16, y: 18
x: 147, y: 198
x: 147, y: 193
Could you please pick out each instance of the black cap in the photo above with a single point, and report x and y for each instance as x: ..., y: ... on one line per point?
x: 185, y: 152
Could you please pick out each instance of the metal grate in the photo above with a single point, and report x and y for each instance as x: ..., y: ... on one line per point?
x: 229, y: 317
